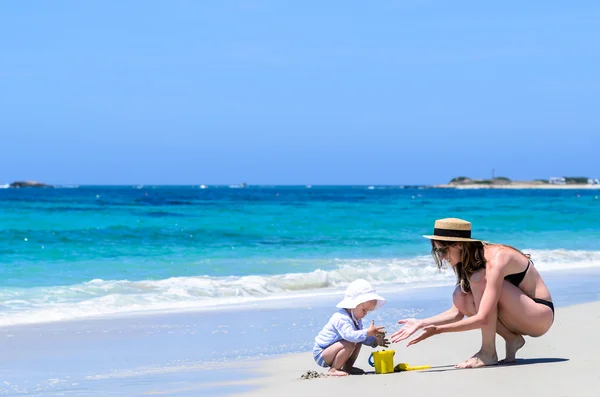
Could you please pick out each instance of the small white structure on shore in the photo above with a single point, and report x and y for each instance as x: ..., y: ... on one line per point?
x: 593, y: 181
x: 557, y: 180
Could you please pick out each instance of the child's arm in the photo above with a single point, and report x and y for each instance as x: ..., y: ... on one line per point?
x: 347, y: 331
x: 379, y: 340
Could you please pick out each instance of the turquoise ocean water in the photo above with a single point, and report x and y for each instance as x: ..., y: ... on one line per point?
x: 89, y: 251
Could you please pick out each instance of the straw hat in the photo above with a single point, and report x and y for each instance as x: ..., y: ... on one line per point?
x: 360, y: 291
x: 452, y: 229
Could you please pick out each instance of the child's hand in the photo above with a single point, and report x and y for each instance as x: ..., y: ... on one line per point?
x: 374, y: 331
x: 381, y: 340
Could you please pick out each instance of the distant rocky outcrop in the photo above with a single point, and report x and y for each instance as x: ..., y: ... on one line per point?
x: 463, y: 180
x: 500, y: 182
x: 29, y: 184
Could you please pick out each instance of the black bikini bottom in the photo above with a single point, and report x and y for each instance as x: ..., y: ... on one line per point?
x: 546, y: 303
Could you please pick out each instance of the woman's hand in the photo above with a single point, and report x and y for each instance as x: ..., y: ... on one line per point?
x: 428, y: 331
x: 411, y: 326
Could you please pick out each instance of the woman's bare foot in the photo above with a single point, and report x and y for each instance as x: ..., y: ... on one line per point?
x: 354, y: 371
x: 480, y: 359
x: 512, y: 346
x: 336, y: 372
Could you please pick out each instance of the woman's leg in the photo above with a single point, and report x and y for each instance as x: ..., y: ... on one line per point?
x: 337, y: 355
x: 487, y: 354
x: 516, y: 311
x: 521, y: 314
x: 464, y: 302
x: 466, y: 305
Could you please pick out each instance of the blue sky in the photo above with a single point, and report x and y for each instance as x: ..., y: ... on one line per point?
x: 274, y: 92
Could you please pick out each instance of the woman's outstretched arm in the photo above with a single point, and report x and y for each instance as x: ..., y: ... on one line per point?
x: 487, y: 309
x: 411, y: 325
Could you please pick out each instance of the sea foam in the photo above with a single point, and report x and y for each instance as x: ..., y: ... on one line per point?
x: 111, y: 297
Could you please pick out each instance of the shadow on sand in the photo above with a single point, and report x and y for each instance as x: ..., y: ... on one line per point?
x: 519, y: 362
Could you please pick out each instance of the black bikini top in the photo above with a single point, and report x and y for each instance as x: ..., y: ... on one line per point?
x: 517, y: 278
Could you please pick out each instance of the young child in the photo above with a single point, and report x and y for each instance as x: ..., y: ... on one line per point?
x: 339, y: 342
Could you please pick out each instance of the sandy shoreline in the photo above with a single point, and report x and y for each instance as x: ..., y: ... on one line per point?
x: 562, y: 363
x: 520, y: 186
x: 224, y: 352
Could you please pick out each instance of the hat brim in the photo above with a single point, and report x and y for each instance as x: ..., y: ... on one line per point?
x: 444, y: 238
x: 351, y: 303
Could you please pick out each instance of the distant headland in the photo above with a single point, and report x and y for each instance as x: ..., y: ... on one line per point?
x: 463, y: 182
x: 29, y: 184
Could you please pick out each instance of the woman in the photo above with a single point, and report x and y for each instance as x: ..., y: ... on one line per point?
x: 498, y: 289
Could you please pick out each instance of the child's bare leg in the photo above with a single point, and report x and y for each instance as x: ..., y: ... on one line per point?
x: 349, y: 366
x: 337, y: 355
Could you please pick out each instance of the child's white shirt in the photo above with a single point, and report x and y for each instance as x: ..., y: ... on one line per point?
x: 343, y: 326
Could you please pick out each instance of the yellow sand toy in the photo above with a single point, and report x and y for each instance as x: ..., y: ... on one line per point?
x: 383, y: 361
x: 405, y: 367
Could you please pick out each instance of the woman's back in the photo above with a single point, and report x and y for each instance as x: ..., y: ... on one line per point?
x: 518, y: 267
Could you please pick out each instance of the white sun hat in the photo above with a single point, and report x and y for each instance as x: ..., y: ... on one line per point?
x: 358, y: 292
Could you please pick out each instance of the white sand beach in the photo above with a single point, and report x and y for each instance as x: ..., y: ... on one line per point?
x: 563, y: 363
x: 224, y: 352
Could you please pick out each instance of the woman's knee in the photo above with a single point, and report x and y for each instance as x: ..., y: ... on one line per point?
x: 477, y: 281
x: 464, y: 302
x: 458, y: 297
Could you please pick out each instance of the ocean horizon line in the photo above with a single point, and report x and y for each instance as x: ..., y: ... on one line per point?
x: 516, y: 186
x: 248, y: 185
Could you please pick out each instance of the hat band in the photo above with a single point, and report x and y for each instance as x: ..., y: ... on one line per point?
x: 452, y: 233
